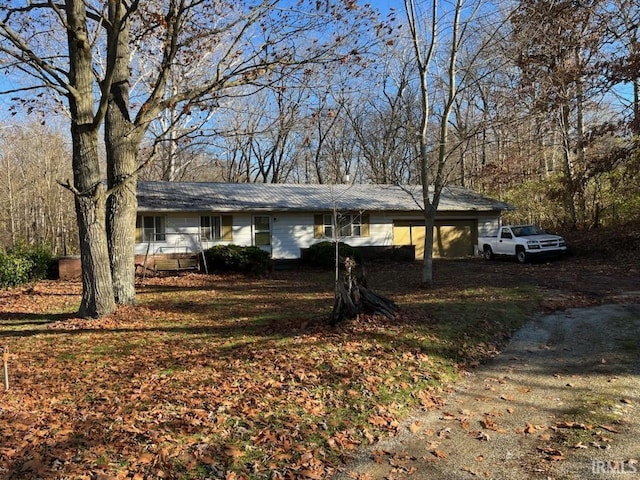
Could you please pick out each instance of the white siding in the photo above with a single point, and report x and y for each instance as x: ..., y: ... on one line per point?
x: 242, y: 230
x: 182, y: 235
x: 290, y: 232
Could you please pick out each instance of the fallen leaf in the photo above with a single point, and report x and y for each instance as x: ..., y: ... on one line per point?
x: 438, y: 454
x: 313, y: 474
x: 469, y: 471
x: 576, y: 425
x: 416, y: 426
x: 609, y: 428
x: 233, y: 452
x: 552, y: 454
x: 489, y: 424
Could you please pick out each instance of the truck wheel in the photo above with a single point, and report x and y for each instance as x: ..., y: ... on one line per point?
x: 487, y: 253
x: 521, y: 255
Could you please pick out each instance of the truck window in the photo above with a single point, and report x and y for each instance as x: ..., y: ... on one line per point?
x: 505, y: 234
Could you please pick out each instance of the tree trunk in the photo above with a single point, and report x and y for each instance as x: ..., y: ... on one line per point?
x: 97, y: 291
x: 121, y: 143
x: 567, y: 169
x: 427, y: 262
x: 90, y: 198
x: 352, y: 297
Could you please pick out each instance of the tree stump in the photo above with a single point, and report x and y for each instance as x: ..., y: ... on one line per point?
x: 352, y: 296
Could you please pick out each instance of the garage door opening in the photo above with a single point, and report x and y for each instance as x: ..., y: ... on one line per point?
x: 451, y: 238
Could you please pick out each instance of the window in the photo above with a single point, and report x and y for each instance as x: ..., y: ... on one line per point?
x: 261, y: 231
x: 150, y: 229
x: 327, y: 227
x: 349, y: 225
x: 210, y: 228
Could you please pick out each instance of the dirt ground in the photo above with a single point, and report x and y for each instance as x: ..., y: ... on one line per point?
x: 561, y: 401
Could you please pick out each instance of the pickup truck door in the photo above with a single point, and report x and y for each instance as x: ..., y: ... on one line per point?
x: 504, y: 245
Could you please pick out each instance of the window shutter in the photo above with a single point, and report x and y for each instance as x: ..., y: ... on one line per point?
x: 318, y: 226
x: 364, y: 220
x: 138, y: 229
x: 227, y: 228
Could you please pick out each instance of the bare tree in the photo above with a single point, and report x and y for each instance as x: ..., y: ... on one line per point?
x: 424, y: 47
x: 33, y: 207
x: 381, y: 119
x: 443, y: 73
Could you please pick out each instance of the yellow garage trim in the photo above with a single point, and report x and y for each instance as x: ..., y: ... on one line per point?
x: 451, y: 238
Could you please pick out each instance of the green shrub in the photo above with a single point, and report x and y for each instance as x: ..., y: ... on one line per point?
x: 14, y: 270
x: 322, y: 254
x: 43, y: 262
x: 234, y: 258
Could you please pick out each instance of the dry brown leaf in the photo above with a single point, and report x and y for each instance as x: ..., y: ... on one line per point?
x: 551, y: 453
x: 470, y: 471
x: 317, y: 474
x: 489, y: 424
x: 416, y: 426
x: 574, y: 425
x: 233, y: 452
x: 609, y: 428
x: 438, y: 454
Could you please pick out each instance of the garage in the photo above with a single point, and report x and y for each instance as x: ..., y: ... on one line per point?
x: 451, y: 238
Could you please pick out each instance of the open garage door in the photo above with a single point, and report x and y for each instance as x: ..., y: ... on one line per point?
x: 451, y: 238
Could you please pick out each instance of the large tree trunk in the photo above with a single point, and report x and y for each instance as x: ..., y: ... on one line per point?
x: 90, y: 198
x: 97, y: 291
x: 121, y: 143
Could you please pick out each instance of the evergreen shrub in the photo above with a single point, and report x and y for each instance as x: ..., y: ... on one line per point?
x: 26, y: 263
x: 14, y: 270
x: 323, y: 254
x: 234, y: 258
x: 43, y: 261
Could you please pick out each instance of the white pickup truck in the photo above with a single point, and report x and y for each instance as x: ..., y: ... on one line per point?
x: 524, y: 242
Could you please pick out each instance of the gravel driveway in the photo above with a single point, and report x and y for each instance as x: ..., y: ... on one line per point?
x: 562, y: 401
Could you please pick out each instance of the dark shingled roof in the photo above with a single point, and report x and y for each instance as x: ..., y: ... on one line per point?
x: 272, y: 197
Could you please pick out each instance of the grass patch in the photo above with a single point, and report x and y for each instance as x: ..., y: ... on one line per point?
x: 211, y: 375
x: 591, y: 411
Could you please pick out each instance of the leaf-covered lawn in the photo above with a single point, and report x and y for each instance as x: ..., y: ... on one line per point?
x: 232, y: 377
